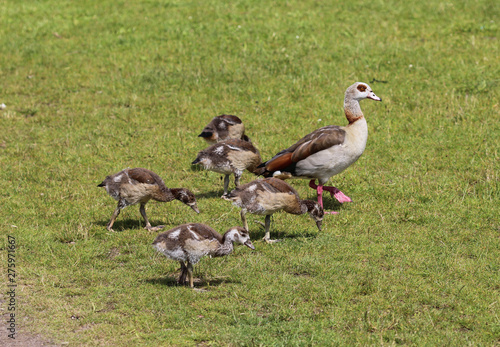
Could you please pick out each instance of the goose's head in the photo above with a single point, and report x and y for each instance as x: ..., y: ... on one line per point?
x: 359, y: 91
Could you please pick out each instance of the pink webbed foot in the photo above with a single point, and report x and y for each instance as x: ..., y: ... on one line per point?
x: 319, y: 190
x: 341, y: 197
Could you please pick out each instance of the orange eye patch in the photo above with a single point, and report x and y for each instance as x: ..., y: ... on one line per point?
x: 362, y: 87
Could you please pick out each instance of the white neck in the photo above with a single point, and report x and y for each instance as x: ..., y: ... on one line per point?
x: 358, y: 132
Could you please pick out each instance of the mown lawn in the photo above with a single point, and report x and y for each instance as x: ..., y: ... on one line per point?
x: 92, y: 87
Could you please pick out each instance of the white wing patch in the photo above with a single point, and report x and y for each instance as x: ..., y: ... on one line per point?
x: 174, y: 235
x: 219, y: 150
x: 233, y: 148
x: 252, y: 188
x: 193, y: 234
x: 118, y: 178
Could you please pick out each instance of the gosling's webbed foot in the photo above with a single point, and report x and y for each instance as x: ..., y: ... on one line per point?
x: 156, y: 228
x: 270, y: 241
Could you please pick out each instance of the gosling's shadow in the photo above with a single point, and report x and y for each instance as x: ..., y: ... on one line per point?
x: 129, y: 224
x: 209, y: 195
x: 282, y: 235
x: 257, y: 232
x: 171, y: 281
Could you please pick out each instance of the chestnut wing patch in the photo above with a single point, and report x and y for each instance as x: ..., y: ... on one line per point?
x: 279, y: 162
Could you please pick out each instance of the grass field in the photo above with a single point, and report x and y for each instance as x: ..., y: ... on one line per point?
x: 92, y: 87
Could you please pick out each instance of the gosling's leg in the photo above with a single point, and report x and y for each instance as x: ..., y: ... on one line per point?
x: 237, y: 177
x: 226, y: 185
x: 142, y: 209
x: 182, y: 277
x: 244, y: 219
x: 267, y: 237
x: 190, y: 274
x: 113, y: 217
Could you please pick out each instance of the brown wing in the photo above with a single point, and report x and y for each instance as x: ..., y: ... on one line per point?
x: 245, y: 145
x: 314, y: 142
x: 322, y: 139
x: 144, y: 176
x: 278, y: 185
x: 230, y: 119
x: 206, y: 232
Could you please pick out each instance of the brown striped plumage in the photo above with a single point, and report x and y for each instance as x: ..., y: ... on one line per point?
x: 188, y: 243
x: 138, y: 185
x: 270, y: 195
x: 228, y: 157
x: 224, y: 127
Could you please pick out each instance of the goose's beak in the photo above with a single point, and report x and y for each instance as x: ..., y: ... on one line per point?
x: 372, y: 96
x: 318, y: 224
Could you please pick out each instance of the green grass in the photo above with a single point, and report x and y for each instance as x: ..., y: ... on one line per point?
x: 92, y: 87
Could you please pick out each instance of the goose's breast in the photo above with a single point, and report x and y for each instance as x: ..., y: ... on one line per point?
x: 333, y: 160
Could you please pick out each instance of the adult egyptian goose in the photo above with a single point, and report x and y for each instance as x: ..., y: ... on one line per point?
x: 222, y: 128
x: 133, y: 186
x: 190, y: 242
x: 228, y: 157
x: 326, y: 151
x: 269, y: 195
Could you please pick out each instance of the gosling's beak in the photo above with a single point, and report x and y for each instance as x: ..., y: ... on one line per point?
x: 195, y: 208
x: 318, y: 223
x: 373, y: 97
x: 205, y: 134
x: 249, y: 244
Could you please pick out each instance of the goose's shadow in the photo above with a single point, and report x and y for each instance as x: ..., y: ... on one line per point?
x: 329, y: 203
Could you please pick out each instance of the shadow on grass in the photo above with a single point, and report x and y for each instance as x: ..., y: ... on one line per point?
x: 210, y: 195
x: 128, y: 224
x: 170, y: 281
x: 258, y: 232
x: 331, y: 204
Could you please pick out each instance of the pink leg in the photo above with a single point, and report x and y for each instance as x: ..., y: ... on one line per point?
x: 319, y: 190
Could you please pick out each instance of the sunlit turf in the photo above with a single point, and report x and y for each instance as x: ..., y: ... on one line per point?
x: 92, y: 87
